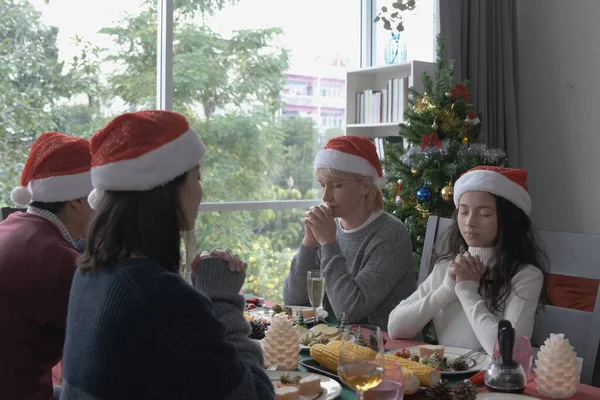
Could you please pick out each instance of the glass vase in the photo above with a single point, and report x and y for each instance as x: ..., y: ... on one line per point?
x: 395, y: 51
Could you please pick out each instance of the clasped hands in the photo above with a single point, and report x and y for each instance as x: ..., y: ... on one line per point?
x: 466, y: 267
x: 320, y: 226
x: 234, y: 261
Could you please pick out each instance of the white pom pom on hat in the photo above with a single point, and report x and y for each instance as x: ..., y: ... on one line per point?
x: 95, y: 198
x: 21, y: 196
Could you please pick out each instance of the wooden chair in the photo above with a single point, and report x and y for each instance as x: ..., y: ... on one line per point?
x: 6, y: 211
x: 572, y: 254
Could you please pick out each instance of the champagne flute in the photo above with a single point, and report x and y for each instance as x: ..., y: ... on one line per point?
x: 315, y: 285
x: 359, y: 367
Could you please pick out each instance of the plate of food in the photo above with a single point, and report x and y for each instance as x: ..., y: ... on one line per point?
x: 296, y: 385
x: 446, y: 359
x: 321, y: 333
x: 292, y: 311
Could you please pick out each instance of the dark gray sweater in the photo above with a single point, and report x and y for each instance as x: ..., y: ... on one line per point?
x: 368, y: 272
x: 137, y: 331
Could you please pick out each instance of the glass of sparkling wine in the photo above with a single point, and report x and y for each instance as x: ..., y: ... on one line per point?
x: 361, y: 368
x: 315, y: 284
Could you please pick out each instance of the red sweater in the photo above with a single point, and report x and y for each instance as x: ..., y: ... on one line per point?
x: 36, y: 270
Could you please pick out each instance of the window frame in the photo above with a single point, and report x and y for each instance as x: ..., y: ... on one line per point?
x: 164, y: 92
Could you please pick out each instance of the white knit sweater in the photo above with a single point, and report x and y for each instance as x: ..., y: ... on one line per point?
x: 459, y: 313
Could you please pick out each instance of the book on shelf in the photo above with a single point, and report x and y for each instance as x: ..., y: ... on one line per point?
x: 385, y: 105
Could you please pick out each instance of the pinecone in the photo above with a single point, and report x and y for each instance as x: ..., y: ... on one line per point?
x: 440, y: 391
x: 465, y: 390
x: 258, y: 329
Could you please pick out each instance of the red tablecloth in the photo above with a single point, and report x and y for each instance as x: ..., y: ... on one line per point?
x: 584, y: 392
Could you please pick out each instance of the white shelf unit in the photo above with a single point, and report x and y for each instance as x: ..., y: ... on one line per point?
x: 376, y: 78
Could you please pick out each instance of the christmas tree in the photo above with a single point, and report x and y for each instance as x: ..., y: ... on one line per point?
x: 301, y: 321
x: 343, y: 324
x: 441, y: 129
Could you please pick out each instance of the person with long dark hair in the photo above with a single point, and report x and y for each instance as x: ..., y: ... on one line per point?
x: 135, y: 328
x: 491, y: 267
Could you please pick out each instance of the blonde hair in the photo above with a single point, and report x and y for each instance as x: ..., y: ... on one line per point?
x: 373, y: 199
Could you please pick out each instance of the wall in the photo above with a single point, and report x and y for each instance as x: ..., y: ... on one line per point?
x: 559, y: 104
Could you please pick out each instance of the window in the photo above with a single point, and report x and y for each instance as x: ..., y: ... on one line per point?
x: 264, y: 91
x: 281, y: 63
x: 418, y: 38
x: 60, y: 72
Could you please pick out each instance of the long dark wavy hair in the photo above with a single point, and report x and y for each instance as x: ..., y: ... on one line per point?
x: 136, y: 223
x: 516, y: 246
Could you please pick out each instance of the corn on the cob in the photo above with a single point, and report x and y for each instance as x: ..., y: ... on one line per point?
x: 427, y: 376
x: 328, y: 356
x: 412, y: 384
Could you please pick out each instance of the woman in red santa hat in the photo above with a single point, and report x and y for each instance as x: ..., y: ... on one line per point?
x: 135, y: 328
x: 38, y: 260
x: 364, y: 254
x: 490, y: 269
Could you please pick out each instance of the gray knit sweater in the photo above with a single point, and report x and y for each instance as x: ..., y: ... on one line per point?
x: 368, y: 272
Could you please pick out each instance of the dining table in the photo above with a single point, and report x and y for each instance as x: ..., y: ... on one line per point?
x: 584, y: 392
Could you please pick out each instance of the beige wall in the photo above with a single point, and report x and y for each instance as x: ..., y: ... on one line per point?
x: 559, y: 111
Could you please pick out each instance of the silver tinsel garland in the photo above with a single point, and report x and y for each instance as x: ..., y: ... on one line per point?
x: 414, y: 154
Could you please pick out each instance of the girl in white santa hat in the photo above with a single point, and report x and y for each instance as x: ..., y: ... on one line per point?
x: 364, y: 254
x: 135, y: 328
x: 490, y: 269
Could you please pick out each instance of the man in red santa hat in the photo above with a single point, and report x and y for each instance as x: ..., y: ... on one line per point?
x: 37, y: 262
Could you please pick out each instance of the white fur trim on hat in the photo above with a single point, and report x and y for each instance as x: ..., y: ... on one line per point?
x: 153, y: 168
x: 340, y: 161
x: 495, y: 183
x: 54, y: 189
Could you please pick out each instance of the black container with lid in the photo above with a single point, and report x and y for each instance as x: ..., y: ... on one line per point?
x: 505, y: 375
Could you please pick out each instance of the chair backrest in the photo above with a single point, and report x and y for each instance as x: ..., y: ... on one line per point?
x: 436, y: 226
x: 6, y: 211
x: 572, y: 254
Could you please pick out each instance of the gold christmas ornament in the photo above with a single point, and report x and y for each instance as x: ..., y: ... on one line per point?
x: 465, y: 129
x: 465, y: 140
x: 423, y: 104
x: 422, y: 211
x: 448, y: 193
x: 449, y: 120
x: 414, y: 171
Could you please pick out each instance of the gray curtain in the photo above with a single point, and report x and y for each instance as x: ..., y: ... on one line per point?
x: 481, y: 36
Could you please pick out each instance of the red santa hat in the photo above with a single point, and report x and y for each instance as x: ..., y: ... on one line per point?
x: 57, y: 169
x: 356, y: 154
x: 508, y: 183
x: 142, y: 150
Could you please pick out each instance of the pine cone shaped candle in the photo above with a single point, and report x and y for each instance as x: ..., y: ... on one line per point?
x: 556, y: 368
x: 281, y: 344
